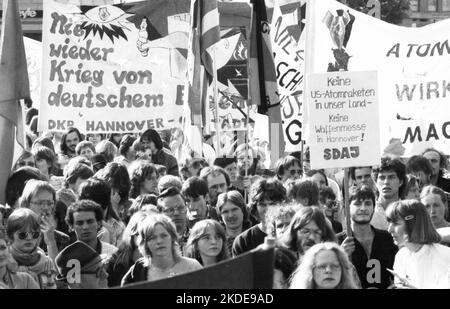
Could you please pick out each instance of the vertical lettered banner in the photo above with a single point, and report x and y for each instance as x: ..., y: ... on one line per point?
x: 110, y: 68
x: 343, y: 118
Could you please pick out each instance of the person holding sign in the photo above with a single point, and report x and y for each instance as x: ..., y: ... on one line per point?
x: 391, y: 181
x: 370, y: 250
x: 422, y: 262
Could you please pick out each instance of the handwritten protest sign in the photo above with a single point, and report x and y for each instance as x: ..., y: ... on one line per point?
x: 412, y: 66
x: 108, y: 69
x: 343, y: 119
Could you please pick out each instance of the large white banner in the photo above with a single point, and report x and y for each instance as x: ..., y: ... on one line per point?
x: 412, y: 66
x: 112, y: 68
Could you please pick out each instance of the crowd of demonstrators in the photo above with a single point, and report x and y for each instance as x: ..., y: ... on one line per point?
x: 143, y: 207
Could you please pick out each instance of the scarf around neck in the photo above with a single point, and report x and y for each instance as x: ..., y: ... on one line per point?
x: 26, y: 259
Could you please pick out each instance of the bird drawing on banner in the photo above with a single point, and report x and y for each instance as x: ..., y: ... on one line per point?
x: 238, y: 73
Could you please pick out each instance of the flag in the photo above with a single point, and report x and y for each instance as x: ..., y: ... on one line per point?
x: 207, y: 20
x: 205, y: 32
x: 264, y: 79
x: 14, y: 86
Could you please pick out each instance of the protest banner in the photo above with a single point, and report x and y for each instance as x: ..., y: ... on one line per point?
x: 113, y: 68
x: 33, y: 50
x: 253, y: 270
x: 412, y: 71
x: 343, y: 119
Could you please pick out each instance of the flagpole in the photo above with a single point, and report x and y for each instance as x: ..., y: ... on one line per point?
x: 216, y: 101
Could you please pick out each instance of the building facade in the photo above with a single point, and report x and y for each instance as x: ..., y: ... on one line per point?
x: 424, y: 12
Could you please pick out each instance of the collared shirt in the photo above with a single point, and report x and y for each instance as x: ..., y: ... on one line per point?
x: 379, y: 220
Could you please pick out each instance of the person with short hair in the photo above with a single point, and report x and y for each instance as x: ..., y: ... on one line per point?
x: 85, y: 217
x: 151, y: 141
x: 40, y: 197
x: 24, y: 229
x: 371, y: 250
x: 76, y: 174
x: 10, y: 278
x: 331, y: 207
x: 421, y: 262
x: 44, y: 159
x: 192, y: 167
x: 421, y: 168
x: 439, y: 165
x: 207, y: 243
x: 108, y: 149
x: 391, y: 181
x: 233, y: 214
x: 85, y: 149
x: 230, y: 166
x: 173, y: 205
x: 279, y: 217
x: 98, y: 162
x: 436, y: 202
x: 25, y: 158
x: 305, y: 192
x: 218, y: 182
x: 324, y: 266
x: 288, y: 167
x: 195, y: 192
x: 263, y: 194
x: 168, y: 181
x: 157, y: 241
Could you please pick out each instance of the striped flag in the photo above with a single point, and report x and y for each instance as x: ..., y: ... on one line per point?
x: 206, y: 19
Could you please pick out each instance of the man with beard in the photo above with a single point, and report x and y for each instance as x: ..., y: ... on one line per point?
x: 218, y: 182
x: 308, y: 227
x: 371, y: 250
x: 391, y: 182
x: 69, y: 142
x: 439, y: 165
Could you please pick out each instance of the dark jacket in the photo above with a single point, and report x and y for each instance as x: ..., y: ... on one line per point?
x: 372, y: 270
x: 163, y: 157
x: 116, y: 272
x: 137, y: 273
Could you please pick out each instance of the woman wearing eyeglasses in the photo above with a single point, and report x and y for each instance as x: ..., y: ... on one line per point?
x: 324, y: 266
x: 10, y: 278
x: 24, y: 229
x: 158, y: 244
x: 39, y: 196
